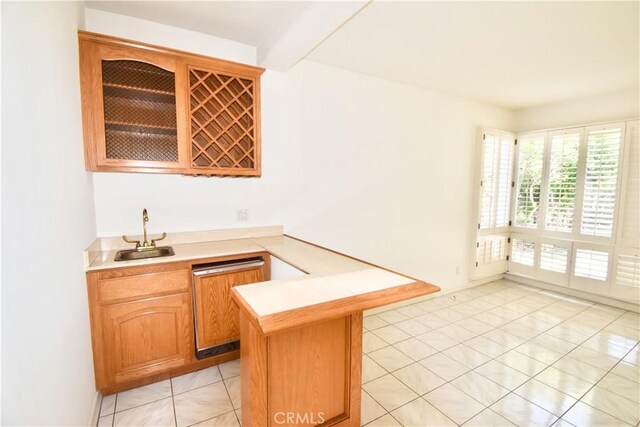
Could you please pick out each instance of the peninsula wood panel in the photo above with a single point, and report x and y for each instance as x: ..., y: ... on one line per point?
x: 148, y: 336
x: 313, y: 371
x: 312, y: 384
x: 217, y: 320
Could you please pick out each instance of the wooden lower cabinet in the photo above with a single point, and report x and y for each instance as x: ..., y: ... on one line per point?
x: 146, y: 337
x: 142, y: 319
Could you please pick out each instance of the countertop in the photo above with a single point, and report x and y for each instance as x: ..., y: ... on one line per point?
x: 335, y: 284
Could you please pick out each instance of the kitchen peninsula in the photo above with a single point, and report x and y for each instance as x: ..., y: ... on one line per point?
x: 301, y: 337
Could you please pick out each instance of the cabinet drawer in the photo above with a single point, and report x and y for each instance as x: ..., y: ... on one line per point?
x: 122, y: 288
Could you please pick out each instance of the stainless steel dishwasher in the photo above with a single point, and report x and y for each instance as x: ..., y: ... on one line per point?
x: 216, y: 323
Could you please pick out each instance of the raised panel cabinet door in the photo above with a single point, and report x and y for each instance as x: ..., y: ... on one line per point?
x: 146, y: 337
x: 217, y: 318
x: 131, y: 119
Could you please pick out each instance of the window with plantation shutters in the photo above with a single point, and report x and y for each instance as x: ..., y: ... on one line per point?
x: 564, y: 152
x: 529, y: 181
x: 601, y: 181
x: 575, y: 208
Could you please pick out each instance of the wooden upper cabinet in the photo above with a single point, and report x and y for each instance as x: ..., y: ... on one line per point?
x: 151, y: 109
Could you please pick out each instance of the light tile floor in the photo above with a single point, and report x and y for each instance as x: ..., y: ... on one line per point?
x: 499, y: 354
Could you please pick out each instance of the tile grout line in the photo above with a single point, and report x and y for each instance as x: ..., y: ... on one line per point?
x: 229, y: 396
x: 115, y: 405
x: 100, y: 410
x: 173, y: 404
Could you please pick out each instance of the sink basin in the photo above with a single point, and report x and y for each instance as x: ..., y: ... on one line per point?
x: 132, y: 254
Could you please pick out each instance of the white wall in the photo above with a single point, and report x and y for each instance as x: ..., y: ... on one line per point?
x: 140, y: 30
x: 384, y: 171
x: 47, y: 220
x: 618, y: 105
x: 374, y: 168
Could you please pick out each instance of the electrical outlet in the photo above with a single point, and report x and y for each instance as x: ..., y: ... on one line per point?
x: 242, y: 215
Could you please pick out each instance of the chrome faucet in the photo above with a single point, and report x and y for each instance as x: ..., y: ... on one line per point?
x: 145, y: 246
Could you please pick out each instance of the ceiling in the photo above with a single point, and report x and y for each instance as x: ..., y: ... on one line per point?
x: 248, y: 22
x: 508, y: 54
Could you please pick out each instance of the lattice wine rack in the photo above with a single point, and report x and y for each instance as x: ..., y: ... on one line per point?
x: 223, y: 121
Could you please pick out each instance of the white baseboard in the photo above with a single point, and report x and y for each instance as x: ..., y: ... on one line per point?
x: 574, y: 292
x: 95, y: 411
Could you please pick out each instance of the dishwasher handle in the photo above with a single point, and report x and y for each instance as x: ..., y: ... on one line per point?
x: 227, y: 267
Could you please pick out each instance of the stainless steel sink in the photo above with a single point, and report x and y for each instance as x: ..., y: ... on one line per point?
x: 132, y: 254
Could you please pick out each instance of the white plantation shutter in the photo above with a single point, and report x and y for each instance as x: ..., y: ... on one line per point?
x: 628, y: 270
x: 591, y: 264
x: 503, y: 186
x: 491, y: 255
x: 626, y: 274
x: 553, y: 266
x: 523, y: 255
x: 523, y: 251
x: 600, y: 180
x: 554, y: 257
x: 564, y: 153
x: 487, y: 183
x: 529, y: 169
x: 630, y: 212
x: 495, y: 181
